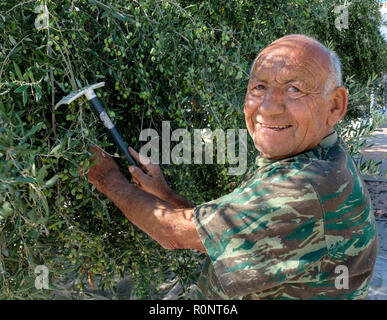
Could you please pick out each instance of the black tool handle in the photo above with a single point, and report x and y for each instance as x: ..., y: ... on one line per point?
x: 112, y: 130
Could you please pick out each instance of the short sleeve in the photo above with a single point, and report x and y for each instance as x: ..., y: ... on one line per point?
x: 266, y: 232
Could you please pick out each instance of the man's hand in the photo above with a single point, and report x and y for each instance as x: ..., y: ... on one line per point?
x: 104, y: 166
x: 152, y: 180
x: 170, y: 224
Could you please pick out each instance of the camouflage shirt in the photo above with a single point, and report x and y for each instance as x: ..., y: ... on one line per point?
x: 297, y: 228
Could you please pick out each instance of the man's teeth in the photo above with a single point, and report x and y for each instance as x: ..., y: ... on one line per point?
x: 275, y: 127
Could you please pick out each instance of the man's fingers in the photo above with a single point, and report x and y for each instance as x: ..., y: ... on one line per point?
x: 94, y: 149
x: 138, y: 174
x: 145, y: 162
x: 140, y: 158
x: 96, y: 152
x: 138, y: 184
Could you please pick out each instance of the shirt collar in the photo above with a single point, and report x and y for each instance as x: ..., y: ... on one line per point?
x: 328, y: 141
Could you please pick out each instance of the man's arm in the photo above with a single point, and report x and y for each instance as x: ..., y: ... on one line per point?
x: 178, y: 201
x: 171, y: 227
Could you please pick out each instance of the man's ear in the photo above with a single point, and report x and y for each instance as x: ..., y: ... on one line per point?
x: 338, y: 105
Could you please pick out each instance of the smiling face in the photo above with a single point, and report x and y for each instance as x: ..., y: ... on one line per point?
x: 287, y: 110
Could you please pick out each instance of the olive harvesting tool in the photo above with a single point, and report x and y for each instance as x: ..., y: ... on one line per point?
x: 99, y: 110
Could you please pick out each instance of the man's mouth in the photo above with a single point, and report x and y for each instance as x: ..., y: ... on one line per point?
x: 274, y: 127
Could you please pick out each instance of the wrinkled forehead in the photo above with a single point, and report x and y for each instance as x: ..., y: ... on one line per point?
x: 291, y: 61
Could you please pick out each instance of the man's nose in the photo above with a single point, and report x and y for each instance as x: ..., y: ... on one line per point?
x: 273, y: 102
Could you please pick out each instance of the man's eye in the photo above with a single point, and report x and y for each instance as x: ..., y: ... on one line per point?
x: 258, y: 90
x: 293, y: 89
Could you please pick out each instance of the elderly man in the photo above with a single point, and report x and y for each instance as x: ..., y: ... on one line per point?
x: 300, y: 225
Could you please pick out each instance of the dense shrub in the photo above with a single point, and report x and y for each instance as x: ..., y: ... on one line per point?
x: 185, y: 62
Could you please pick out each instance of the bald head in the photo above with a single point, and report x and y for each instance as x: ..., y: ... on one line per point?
x: 308, y: 48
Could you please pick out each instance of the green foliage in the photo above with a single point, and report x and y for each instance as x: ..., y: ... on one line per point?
x: 181, y: 61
